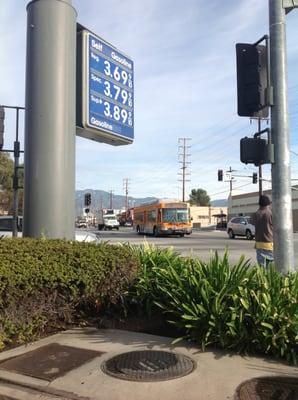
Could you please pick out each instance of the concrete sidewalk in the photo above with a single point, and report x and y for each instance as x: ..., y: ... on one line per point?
x: 215, y: 377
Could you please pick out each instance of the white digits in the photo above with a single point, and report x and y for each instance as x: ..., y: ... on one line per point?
x: 107, y: 112
x: 107, y: 68
x: 124, y: 115
x: 117, y: 88
x: 117, y: 74
x: 124, y: 96
x: 107, y: 90
x: 124, y: 77
x: 116, y: 113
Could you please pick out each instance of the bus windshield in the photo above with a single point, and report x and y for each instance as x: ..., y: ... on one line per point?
x: 175, y: 215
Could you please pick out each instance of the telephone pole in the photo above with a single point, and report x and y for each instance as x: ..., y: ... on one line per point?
x: 182, y: 155
x: 111, y: 199
x: 125, y: 188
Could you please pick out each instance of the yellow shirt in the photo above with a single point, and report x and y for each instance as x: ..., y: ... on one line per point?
x: 264, y: 245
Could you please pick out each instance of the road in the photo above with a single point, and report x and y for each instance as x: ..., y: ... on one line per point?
x: 199, y: 243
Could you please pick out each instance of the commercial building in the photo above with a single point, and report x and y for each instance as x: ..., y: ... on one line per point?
x: 247, y: 204
x: 208, y: 215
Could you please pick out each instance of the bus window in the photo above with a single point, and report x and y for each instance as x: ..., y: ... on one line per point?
x: 175, y: 215
x: 152, y: 216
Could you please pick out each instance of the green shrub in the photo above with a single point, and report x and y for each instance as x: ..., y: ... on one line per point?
x: 248, y: 309
x: 47, y: 283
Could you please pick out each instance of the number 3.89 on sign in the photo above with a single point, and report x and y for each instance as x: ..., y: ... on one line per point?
x: 117, y: 113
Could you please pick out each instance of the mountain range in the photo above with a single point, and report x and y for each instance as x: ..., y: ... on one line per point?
x: 103, y: 199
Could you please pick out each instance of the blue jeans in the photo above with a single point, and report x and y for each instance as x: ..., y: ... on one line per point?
x: 264, y: 257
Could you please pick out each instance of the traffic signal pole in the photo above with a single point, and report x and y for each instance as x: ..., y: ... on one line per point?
x: 281, y: 174
x: 49, y: 187
x: 260, y: 165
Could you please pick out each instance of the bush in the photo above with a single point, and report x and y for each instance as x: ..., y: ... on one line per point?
x: 47, y: 283
x: 248, y: 309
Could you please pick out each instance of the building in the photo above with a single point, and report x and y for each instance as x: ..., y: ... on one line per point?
x: 208, y: 215
x: 247, y: 204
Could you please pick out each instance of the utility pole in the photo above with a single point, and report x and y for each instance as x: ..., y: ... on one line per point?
x: 111, y: 199
x: 231, y: 180
x: 281, y: 173
x: 125, y: 188
x: 182, y: 153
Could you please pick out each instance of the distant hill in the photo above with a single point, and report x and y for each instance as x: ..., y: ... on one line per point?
x: 219, y: 203
x: 101, y: 199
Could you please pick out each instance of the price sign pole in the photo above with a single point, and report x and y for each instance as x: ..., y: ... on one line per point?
x: 49, y: 201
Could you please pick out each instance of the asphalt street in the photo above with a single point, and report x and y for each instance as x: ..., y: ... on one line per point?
x: 199, y: 243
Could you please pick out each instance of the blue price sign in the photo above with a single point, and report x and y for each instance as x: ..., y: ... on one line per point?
x: 108, y: 91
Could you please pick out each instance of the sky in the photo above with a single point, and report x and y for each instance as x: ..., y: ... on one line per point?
x: 185, y: 87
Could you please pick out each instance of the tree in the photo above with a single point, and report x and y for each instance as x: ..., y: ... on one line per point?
x: 199, y: 197
x: 6, y: 184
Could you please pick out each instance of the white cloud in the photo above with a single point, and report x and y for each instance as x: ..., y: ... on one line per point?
x: 185, y: 86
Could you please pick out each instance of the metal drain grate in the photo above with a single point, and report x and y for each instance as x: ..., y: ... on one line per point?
x: 148, y: 366
x: 49, y: 362
x: 268, y: 388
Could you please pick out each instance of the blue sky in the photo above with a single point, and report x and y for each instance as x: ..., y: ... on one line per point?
x: 185, y: 86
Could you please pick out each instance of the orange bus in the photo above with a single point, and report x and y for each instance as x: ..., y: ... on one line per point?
x: 163, y: 217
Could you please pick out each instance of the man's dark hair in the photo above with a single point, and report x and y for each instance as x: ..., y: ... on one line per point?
x: 264, y: 201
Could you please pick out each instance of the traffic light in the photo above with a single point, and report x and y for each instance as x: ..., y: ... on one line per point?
x: 255, y: 151
x: 87, y: 210
x: 87, y: 199
x: 254, y: 177
x: 2, y: 117
x: 220, y: 175
x: 252, y: 80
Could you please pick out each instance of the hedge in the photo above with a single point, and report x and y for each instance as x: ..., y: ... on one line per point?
x: 47, y: 283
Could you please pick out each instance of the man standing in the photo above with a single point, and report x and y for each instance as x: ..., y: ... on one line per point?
x: 262, y: 220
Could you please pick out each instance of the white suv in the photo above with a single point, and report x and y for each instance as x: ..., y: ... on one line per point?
x: 241, y: 226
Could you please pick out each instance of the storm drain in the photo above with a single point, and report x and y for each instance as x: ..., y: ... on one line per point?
x: 148, y: 366
x: 49, y: 362
x: 268, y: 388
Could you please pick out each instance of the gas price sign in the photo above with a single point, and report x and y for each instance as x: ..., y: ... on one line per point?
x: 107, y: 93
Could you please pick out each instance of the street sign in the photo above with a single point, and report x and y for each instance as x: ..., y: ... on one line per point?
x: 105, y: 91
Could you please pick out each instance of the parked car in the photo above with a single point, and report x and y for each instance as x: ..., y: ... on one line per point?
x: 81, y: 223
x: 6, y: 230
x: 241, y: 226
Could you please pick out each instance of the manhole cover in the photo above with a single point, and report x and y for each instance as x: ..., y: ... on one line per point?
x: 148, y: 366
x: 268, y: 388
x: 49, y: 362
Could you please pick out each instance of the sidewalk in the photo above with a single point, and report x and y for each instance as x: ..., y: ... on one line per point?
x: 216, y: 376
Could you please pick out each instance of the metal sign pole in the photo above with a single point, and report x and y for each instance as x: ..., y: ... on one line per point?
x: 16, y: 179
x: 281, y: 174
x: 49, y: 195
